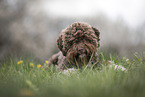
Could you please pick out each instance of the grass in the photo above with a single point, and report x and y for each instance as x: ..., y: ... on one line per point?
x: 25, y: 80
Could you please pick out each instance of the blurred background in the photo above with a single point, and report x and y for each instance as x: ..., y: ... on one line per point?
x: 31, y: 27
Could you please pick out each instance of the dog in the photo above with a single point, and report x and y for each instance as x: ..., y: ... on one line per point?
x: 78, y: 45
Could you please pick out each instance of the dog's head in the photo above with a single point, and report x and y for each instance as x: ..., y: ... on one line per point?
x: 79, y: 42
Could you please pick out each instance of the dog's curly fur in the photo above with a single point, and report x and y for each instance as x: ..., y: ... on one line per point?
x: 78, y: 43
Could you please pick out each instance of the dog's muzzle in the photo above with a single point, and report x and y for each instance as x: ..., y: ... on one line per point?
x: 81, y: 56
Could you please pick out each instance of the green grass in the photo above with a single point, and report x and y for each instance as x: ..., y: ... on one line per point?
x: 23, y: 80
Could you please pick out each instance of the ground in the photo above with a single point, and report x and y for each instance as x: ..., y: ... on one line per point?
x: 26, y: 78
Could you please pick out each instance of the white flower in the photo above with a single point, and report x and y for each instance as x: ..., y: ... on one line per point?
x: 122, y: 68
x: 116, y: 67
x: 69, y: 70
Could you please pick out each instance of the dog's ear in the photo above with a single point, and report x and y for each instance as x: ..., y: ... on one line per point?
x: 97, y: 32
x: 59, y: 42
x: 60, y: 45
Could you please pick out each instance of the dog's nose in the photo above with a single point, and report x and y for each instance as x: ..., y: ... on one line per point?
x: 80, y: 49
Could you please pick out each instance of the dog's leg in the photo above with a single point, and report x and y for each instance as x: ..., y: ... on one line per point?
x: 95, y: 60
x: 58, y: 60
x: 53, y: 60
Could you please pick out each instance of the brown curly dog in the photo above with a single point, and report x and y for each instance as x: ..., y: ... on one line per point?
x: 78, y: 44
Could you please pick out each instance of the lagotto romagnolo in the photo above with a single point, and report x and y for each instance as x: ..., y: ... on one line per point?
x: 78, y: 45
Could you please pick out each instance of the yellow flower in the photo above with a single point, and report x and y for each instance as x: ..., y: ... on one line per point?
x: 26, y: 93
x: 19, y: 62
x: 39, y: 65
x: 31, y: 64
x: 46, y: 62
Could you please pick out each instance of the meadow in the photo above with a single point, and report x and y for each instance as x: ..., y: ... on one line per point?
x: 24, y: 77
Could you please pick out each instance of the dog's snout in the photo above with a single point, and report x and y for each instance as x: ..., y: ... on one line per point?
x: 80, y: 49
x: 82, y: 56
